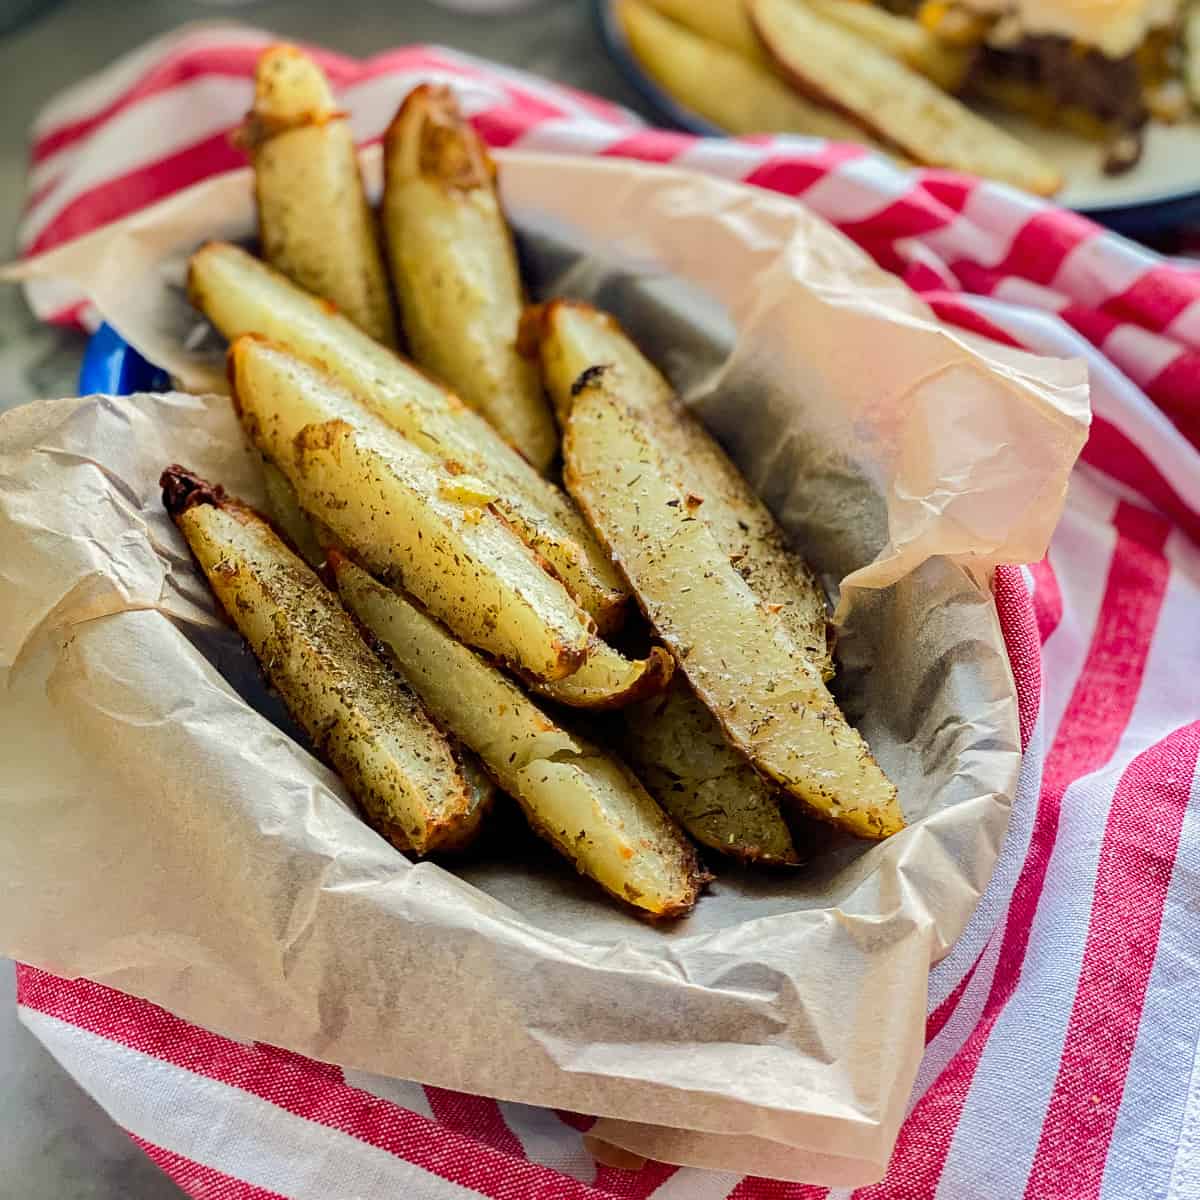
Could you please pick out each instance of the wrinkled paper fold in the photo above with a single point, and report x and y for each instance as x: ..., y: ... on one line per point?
x: 168, y: 838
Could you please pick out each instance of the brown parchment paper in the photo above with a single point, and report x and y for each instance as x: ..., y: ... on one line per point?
x: 166, y: 836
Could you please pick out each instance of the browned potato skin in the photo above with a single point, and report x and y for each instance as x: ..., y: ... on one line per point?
x: 242, y: 296
x: 766, y: 693
x: 314, y: 220
x: 454, y: 267
x: 588, y: 805
x: 360, y: 714
x: 407, y: 515
x: 741, y: 522
x: 609, y: 680
x: 680, y: 754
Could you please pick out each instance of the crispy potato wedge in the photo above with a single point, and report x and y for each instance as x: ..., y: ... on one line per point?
x: 586, y: 804
x: 405, y: 515
x: 241, y: 295
x: 722, y: 85
x: 610, y: 680
x: 573, y: 338
x: 678, y: 751
x: 901, y: 38
x: 607, y: 678
x: 289, y: 518
x: 737, y: 654
x: 360, y: 715
x: 454, y: 268
x: 313, y: 217
x: 902, y: 109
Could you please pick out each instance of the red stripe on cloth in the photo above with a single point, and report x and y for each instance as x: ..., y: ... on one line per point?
x: 1023, y: 641
x: 908, y: 216
x: 1109, y: 450
x: 475, y: 1116
x: 1088, y: 735
x: 1141, y: 837
x: 949, y: 188
x: 181, y: 66
x: 237, y: 61
x: 754, y: 1188
x: 1094, y: 325
x: 1176, y: 390
x: 954, y: 309
x: 650, y: 145
x: 1043, y: 242
x: 793, y: 175
x: 286, y: 1080
x: 138, y: 188
x: 200, y: 1181
x: 1047, y: 598
x: 1155, y: 299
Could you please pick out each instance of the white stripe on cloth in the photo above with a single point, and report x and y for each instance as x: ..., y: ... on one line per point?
x: 857, y: 190
x: 688, y: 1183
x: 143, y: 134
x: 1114, y: 397
x: 230, y: 1130
x: 1100, y: 268
x: 97, y: 92
x: 549, y: 1141
x: 1020, y: 1064
x: 724, y: 159
x: 1186, y: 326
x: 1140, y: 353
x: 568, y: 136
x: 984, y: 231
x: 1184, y: 1183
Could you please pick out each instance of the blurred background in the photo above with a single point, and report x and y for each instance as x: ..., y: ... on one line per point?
x: 55, y: 1143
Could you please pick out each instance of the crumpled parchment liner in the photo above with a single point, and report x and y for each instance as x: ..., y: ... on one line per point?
x: 166, y: 836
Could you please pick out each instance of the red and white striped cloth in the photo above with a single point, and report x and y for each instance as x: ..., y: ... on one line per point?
x: 1062, y: 1033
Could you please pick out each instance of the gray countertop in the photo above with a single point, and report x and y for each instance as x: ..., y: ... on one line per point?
x: 56, y: 1143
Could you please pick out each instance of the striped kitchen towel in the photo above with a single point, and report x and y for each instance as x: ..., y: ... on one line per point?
x: 1062, y: 1031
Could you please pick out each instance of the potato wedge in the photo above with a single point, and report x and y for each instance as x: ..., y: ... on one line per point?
x: 314, y: 221
x: 678, y: 751
x: 573, y: 338
x: 737, y: 654
x: 241, y: 295
x: 405, y: 514
x: 360, y: 715
x: 721, y: 85
x: 586, y: 804
x: 610, y: 680
x: 902, y: 38
x: 891, y: 101
x: 289, y: 518
x: 454, y: 268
